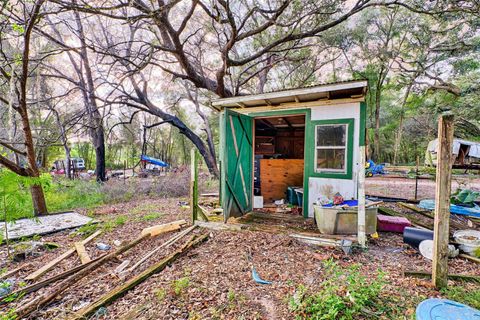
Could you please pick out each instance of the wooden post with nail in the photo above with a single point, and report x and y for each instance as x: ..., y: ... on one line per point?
x: 442, y: 200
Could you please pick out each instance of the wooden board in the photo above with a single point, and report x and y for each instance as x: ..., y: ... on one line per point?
x: 38, y: 273
x: 82, y: 252
x: 278, y: 174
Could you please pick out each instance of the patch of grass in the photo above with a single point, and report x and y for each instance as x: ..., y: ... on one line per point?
x: 150, y: 216
x: 180, y: 284
x: 345, y: 295
x: 113, y: 223
x: 106, y: 226
x: 146, y: 212
x: 460, y: 294
x: 231, y: 296
x: 67, y: 195
x: 160, y: 293
x: 87, y: 229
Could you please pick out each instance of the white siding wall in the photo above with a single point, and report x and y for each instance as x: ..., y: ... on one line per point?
x: 348, y: 188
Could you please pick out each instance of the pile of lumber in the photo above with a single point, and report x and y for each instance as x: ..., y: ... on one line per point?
x: 88, y: 265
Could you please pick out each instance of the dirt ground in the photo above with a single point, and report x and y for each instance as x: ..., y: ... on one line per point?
x: 214, y: 281
x: 402, y: 187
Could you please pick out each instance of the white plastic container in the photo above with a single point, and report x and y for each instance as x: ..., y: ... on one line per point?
x: 257, y: 202
x: 469, y: 241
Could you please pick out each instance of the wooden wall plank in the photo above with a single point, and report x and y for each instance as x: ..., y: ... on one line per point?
x: 278, y: 174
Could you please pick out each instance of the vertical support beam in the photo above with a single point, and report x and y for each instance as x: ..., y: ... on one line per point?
x: 193, y: 184
x: 362, y: 237
x: 416, y: 178
x: 442, y: 201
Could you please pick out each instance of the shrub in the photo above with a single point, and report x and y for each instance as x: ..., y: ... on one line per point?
x: 345, y: 295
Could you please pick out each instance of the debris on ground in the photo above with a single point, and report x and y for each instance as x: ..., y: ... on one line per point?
x: 257, y: 278
x: 214, y: 280
x: 103, y: 246
x: 41, y: 225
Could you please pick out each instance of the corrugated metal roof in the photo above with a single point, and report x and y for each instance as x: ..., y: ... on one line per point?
x: 303, y: 94
x: 317, y: 85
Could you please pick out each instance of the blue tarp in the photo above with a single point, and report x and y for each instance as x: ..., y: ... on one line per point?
x: 429, y: 204
x: 350, y: 203
x: 153, y: 161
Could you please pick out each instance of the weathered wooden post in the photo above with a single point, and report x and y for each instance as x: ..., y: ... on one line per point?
x: 416, y: 178
x: 442, y: 201
x: 362, y: 238
x: 193, y: 184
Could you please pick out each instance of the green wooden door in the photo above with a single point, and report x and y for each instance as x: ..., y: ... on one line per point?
x: 237, y: 164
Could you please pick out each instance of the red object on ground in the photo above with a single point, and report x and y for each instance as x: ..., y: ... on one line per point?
x: 392, y: 224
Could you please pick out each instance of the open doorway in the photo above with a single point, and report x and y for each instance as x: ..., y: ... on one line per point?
x: 279, y: 144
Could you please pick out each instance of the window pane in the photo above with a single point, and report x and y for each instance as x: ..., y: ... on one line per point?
x: 334, y: 135
x: 331, y: 159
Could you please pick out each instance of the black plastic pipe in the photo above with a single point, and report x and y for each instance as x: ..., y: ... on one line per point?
x: 413, y: 236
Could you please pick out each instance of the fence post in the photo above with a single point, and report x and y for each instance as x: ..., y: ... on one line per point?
x: 362, y: 237
x: 442, y: 201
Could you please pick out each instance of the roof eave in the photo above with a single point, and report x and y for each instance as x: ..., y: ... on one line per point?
x: 240, y: 101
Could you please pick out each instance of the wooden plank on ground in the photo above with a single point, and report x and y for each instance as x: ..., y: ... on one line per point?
x: 37, y: 274
x: 466, y: 256
x: 122, y: 289
x: 40, y: 301
x: 424, y: 274
x: 220, y: 226
x: 82, y: 252
x: 162, y: 228
x: 170, y: 241
x: 13, y: 271
x: 316, y: 240
x: 46, y: 282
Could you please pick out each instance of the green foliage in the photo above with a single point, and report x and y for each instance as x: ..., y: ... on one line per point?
x: 463, y: 295
x: 67, y: 195
x: 107, y: 225
x: 150, y: 216
x: 87, y: 229
x: 345, y: 294
x: 18, y: 28
x: 113, y: 223
x: 180, y: 284
x: 61, y: 195
x: 15, y: 200
x: 464, y: 197
x: 160, y: 293
x: 10, y: 314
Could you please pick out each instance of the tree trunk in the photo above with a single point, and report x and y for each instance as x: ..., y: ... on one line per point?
x: 96, y: 130
x: 181, y: 126
x: 99, y: 143
x: 38, y: 200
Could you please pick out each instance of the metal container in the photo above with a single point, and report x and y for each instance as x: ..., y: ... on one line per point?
x: 344, y: 220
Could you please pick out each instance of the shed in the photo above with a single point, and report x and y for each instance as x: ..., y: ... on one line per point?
x: 307, y: 138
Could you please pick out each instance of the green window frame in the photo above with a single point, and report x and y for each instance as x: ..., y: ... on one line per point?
x: 345, y: 173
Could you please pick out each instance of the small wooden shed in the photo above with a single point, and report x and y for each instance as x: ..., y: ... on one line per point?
x: 308, y: 139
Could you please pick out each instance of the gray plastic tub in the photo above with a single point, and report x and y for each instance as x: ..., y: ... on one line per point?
x: 344, y: 220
